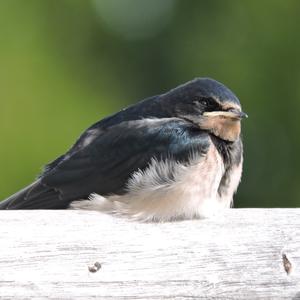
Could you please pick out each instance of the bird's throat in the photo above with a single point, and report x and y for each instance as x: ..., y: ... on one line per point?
x: 227, y: 129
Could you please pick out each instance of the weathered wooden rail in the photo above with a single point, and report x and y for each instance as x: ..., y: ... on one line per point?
x: 243, y: 254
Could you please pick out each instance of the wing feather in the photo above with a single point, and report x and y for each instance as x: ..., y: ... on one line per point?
x: 104, y: 164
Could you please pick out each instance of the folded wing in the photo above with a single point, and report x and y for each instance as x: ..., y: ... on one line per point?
x: 104, y: 159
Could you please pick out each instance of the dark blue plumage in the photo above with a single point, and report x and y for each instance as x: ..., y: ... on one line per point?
x: 105, y: 157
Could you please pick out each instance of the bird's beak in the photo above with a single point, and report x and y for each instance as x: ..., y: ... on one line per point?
x: 231, y: 113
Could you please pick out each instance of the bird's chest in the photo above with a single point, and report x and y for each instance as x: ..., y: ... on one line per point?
x: 203, y: 187
x: 202, y: 177
x: 169, y: 190
x: 199, y: 185
x: 229, y: 183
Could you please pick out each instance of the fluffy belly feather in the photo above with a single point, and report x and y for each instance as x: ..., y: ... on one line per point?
x: 168, y: 190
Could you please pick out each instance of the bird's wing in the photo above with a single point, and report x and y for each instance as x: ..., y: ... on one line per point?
x: 104, y: 160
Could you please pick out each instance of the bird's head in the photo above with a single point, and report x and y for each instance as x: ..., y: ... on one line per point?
x: 209, y: 105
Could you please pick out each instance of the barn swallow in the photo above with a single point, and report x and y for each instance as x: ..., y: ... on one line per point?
x: 173, y: 156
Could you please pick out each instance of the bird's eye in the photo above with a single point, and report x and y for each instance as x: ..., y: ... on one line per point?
x: 205, y: 102
x: 200, y: 100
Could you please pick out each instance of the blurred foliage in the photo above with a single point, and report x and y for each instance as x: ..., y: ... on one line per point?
x: 66, y: 63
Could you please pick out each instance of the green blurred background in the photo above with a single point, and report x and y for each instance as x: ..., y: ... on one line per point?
x: 64, y: 64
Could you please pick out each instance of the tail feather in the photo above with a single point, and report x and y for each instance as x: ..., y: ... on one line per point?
x: 35, y: 196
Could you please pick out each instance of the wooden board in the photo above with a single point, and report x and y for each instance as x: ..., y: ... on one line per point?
x: 242, y: 254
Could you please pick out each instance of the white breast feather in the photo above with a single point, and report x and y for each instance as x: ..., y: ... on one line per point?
x: 191, y: 192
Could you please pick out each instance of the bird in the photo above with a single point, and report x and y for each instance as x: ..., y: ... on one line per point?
x: 174, y: 156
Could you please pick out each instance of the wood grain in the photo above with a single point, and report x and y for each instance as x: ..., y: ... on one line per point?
x: 242, y: 254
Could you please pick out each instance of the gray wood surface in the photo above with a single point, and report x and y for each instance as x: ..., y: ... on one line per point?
x: 242, y: 254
